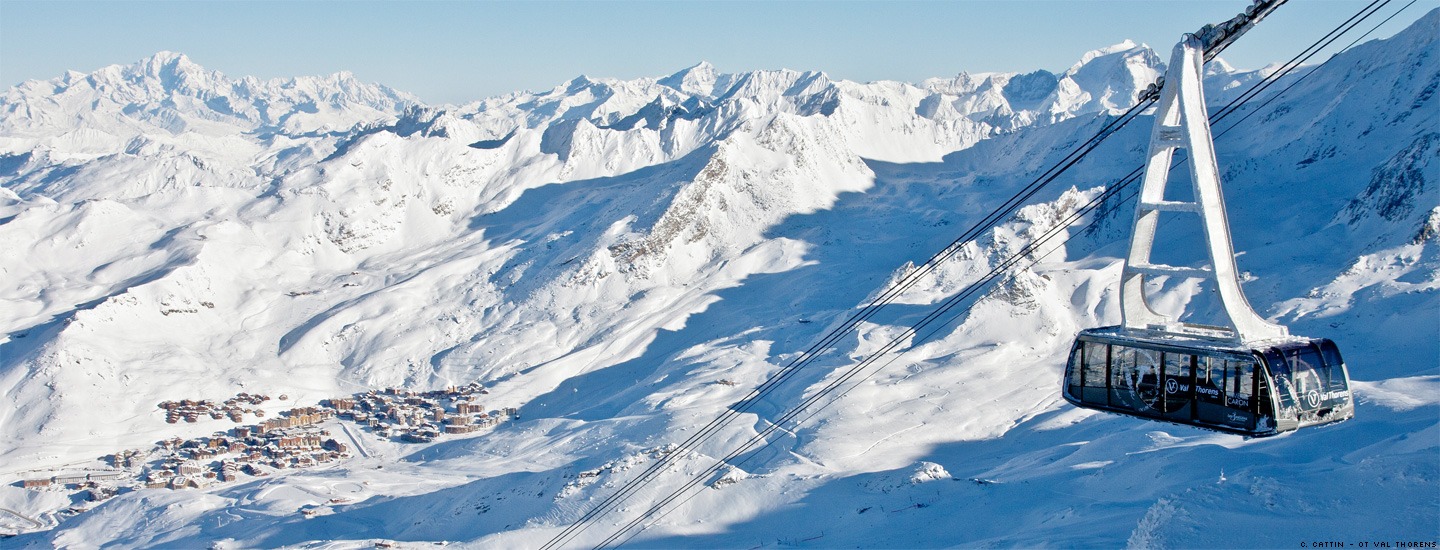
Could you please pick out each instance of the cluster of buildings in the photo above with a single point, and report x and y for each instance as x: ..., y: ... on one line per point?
x: 294, y: 418
x: 191, y: 410
x: 249, y: 450
x: 420, y: 417
x: 292, y: 439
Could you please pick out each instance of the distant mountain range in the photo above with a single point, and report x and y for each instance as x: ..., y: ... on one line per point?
x: 621, y: 260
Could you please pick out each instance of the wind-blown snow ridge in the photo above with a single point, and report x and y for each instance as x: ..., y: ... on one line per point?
x: 620, y: 260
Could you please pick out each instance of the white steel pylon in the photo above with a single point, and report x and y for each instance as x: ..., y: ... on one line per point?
x: 1181, y: 121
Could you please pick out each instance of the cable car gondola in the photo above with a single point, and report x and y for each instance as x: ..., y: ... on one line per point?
x: 1250, y: 390
x: 1250, y: 376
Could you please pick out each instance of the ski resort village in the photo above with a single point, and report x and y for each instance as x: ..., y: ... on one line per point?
x: 300, y: 437
x: 1180, y: 292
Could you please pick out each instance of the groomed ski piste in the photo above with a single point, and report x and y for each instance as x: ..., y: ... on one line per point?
x: 620, y: 261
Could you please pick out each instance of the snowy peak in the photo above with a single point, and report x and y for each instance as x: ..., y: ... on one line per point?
x: 1106, y: 79
x: 700, y: 80
x: 1218, y: 66
x: 959, y: 109
x: 156, y: 78
x: 767, y: 86
x: 166, y: 62
x: 1026, y: 91
x: 169, y: 91
x: 169, y: 124
x: 1087, y: 58
x: 173, y: 72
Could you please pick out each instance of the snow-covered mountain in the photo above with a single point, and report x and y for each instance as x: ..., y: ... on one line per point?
x: 621, y: 260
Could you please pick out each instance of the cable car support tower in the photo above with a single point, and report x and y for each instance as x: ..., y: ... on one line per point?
x: 1181, y: 122
x: 1248, y: 376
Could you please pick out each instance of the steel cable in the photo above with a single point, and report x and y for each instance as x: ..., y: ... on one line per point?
x: 898, y: 288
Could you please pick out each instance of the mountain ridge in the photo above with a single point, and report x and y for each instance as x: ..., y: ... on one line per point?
x: 621, y: 259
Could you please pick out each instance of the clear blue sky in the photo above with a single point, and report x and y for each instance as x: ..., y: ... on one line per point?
x: 450, y: 52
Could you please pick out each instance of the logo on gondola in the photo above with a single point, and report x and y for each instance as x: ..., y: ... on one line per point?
x: 1171, y: 385
x: 1313, y: 397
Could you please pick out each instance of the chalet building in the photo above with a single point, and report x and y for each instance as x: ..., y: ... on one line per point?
x: 127, y: 459
x: 461, y: 429
x: 72, y: 479
x: 97, y: 494
x: 342, y: 405
x: 295, y: 418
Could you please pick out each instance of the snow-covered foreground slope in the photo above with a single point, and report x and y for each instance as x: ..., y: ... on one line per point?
x: 621, y: 260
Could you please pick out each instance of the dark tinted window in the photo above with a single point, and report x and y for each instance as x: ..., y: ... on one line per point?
x: 1074, y: 367
x: 1210, y: 380
x: 1308, y: 374
x: 1177, y: 383
x: 1284, y: 388
x: 1148, y: 384
x: 1334, y: 364
x: 1124, y: 378
x: 1095, y: 364
x: 1241, y: 378
x: 1122, y: 364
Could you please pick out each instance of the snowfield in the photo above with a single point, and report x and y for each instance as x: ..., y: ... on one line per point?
x: 622, y: 260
